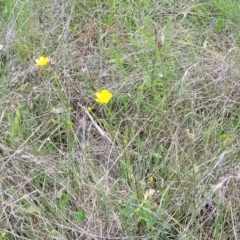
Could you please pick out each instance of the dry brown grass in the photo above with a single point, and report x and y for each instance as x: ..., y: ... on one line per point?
x: 173, y: 69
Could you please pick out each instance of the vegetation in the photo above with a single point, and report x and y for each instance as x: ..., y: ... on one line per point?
x: 120, y: 119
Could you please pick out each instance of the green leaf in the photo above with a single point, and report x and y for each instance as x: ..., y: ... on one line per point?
x: 202, y: 9
x: 80, y: 215
x: 63, y: 200
x: 20, y: 51
x: 16, y: 122
x: 32, y: 209
x: 219, y: 25
x: 119, y: 62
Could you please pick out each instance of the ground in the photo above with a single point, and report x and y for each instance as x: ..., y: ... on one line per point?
x: 153, y: 156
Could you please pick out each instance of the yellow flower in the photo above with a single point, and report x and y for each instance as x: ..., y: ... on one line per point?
x: 4, y: 234
x: 151, y: 179
x: 20, y: 89
x: 57, y: 78
x: 42, y: 61
x: 89, y: 109
x: 53, y: 232
x: 103, y: 96
x: 53, y: 120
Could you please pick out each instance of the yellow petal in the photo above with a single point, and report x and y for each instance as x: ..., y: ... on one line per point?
x: 103, y: 96
x: 37, y: 61
x: 151, y: 179
x: 42, y: 61
x: 98, y: 94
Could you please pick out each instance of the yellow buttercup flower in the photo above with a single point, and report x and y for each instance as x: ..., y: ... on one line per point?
x: 20, y: 89
x: 53, y: 120
x: 103, y: 96
x: 151, y: 179
x: 53, y: 232
x: 42, y: 61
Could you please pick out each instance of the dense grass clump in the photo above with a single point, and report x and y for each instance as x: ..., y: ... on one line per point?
x: 119, y: 119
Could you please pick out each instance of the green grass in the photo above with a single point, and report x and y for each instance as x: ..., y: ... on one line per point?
x: 163, y: 161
